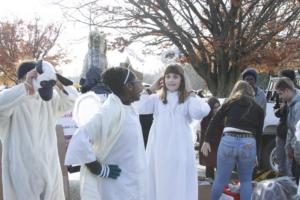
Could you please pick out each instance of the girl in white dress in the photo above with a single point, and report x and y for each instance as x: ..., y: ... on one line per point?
x: 170, y: 155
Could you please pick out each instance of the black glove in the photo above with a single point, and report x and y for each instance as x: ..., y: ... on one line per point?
x: 110, y: 171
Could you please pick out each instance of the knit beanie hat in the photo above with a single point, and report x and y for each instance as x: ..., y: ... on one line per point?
x: 25, y: 67
x: 249, y: 72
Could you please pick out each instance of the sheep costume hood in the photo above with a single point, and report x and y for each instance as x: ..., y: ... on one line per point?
x: 46, y: 79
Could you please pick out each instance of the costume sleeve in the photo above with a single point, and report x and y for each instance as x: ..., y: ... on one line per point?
x: 10, y: 99
x: 197, y: 107
x: 80, y: 150
x: 146, y: 104
x: 64, y: 100
x: 217, y: 119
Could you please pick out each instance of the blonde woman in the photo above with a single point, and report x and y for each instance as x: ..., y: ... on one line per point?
x: 243, y: 128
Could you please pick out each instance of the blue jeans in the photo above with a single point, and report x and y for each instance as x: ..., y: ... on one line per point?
x: 235, y: 151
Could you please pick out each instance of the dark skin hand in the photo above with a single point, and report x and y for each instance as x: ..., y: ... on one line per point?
x: 94, y: 167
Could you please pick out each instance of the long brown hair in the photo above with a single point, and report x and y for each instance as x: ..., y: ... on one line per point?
x: 182, y: 93
x: 242, y: 89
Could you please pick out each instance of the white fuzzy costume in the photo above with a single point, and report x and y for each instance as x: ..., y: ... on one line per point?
x: 31, y: 168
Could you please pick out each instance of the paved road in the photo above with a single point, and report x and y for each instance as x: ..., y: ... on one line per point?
x: 74, y: 186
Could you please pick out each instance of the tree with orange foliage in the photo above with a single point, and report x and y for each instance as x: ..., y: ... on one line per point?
x: 20, y: 41
x: 219, y: 38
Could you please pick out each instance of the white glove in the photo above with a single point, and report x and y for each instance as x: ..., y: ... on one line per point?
x: 205, y: 149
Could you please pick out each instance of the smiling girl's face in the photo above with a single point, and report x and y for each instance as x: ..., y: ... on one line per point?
x: 172, y: 81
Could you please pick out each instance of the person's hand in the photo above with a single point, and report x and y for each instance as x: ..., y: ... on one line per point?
x: 157, y: 84
x: 205, y: 149
x: 110, y: 171
x: 59, y: 85
x: 29, y: 81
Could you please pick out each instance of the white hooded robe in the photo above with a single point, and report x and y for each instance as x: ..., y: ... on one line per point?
x: 170, y: 153
x: 112, y: 136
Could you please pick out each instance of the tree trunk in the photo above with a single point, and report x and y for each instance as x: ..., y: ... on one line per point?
x: 221, y: 85
x: 220, y: 71
x: 220, y: 88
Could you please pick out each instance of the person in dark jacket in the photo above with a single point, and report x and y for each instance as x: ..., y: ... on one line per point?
x: 210, y: 160
x: 93, y: 82
x: 244, y: 120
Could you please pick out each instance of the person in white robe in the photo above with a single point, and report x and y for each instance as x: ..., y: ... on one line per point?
x: 30, y: 162
x: 110, y: 146
x: 170, y: 154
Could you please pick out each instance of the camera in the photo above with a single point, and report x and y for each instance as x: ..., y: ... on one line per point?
x: 277, y: 100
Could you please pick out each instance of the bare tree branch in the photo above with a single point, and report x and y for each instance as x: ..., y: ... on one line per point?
x: 218, y: 37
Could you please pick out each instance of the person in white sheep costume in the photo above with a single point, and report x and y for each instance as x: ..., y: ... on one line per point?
x: 30, y: 162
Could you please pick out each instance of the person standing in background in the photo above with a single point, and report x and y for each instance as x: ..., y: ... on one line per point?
x: 250, y: 75
x: 241, y: 137
x: 210, y: 161
x: 286, y: 90
x: 280, y: 111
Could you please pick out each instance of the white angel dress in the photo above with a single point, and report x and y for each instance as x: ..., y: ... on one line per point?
x: 170, y: 154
